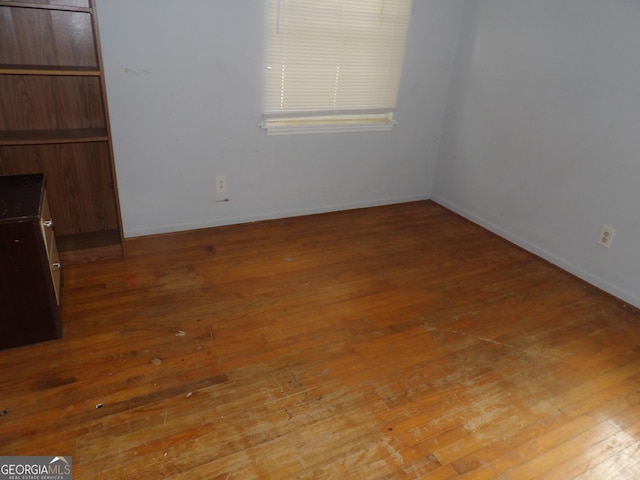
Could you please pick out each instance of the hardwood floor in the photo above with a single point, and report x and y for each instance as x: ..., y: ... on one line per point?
x: 383, y: 343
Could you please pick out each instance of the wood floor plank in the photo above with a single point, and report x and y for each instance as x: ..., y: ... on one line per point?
x: 590, y: 457
x: 353, y: 344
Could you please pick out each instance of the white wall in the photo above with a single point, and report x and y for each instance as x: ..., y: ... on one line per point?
x: 184, y: 83
x: 542, y: 138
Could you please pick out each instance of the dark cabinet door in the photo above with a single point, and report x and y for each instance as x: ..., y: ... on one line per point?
x: 28, y: 300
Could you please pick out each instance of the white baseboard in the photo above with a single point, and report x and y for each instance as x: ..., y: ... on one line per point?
x: 621, y: 294
x: 180, y: 227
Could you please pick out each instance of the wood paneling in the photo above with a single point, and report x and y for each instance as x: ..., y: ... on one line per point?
x: 33, y: 102
x: 383, y: 343
x: 46, y: 37
x: 76, y: 172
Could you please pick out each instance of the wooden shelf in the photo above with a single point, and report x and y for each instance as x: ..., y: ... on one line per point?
x: 48, y: 70
x: 46, y: 6
x: 43, y: 137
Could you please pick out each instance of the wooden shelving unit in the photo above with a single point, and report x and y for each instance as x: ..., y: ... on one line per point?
x: 54, y: 120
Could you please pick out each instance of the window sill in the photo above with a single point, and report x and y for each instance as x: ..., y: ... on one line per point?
x: 294, y: 126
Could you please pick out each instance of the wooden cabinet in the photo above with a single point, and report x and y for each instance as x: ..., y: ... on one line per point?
x: 54, y: 120
x: 30, y: 274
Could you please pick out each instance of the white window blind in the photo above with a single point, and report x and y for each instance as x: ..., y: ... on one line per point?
x: 333, y: 65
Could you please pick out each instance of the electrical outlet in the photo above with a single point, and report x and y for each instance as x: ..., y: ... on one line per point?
x: 606, y: 236
x: 221, y: 184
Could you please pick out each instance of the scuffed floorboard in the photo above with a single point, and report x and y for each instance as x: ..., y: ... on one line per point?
x: 398, y: 342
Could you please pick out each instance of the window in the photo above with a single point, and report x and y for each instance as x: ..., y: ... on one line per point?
x: 333, y: 65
